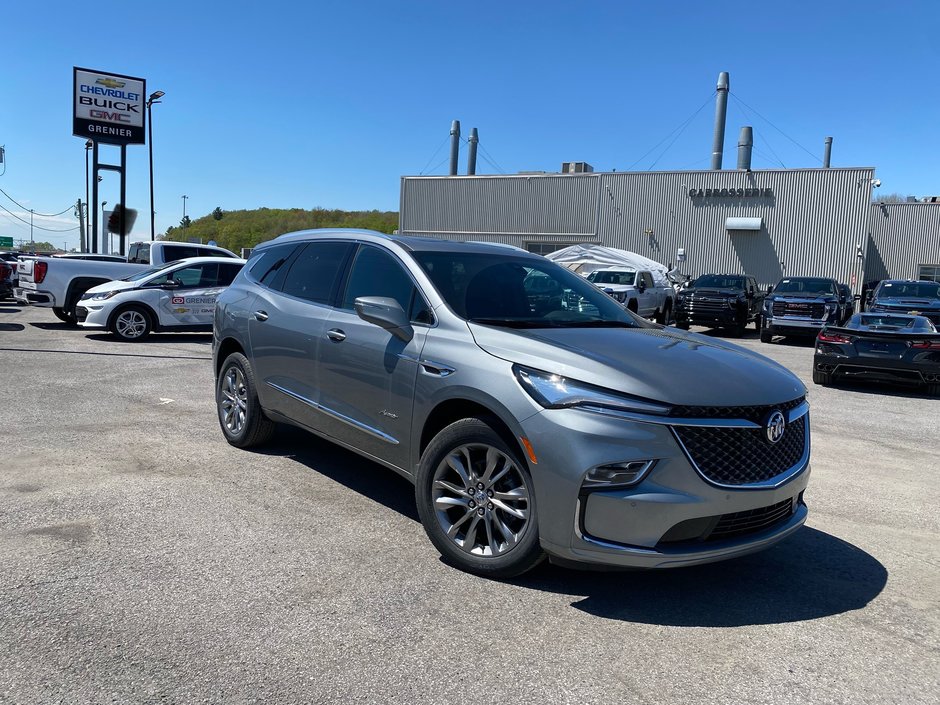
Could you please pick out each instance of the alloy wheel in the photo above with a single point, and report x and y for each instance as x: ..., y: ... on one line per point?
x: 234, y: 401
x: 130, y: 324
x: 480, y: 499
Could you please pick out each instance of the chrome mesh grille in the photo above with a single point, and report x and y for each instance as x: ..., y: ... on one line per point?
x: 742, y: 456
x: 755, y: 414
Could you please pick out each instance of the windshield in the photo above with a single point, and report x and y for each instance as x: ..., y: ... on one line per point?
x: 147, y: 272
x: 808, y: 286
x: 719, y: 281
x: 519, y: 292
x: 888, y: 321
x: 622, y: 278
x: 909, y: 290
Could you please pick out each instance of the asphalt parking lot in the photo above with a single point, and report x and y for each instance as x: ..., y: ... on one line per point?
x: 142, y: 559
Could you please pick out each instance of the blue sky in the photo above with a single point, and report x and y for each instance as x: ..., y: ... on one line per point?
x: 312, y: 104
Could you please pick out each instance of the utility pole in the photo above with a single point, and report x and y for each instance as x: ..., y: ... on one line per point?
x: 184, y: 197
x: 81, y: 225
x: 32, y: 244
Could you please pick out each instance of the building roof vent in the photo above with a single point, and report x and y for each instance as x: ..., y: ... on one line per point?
x: 576, y: 168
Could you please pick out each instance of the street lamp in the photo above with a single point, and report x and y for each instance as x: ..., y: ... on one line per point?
x: 154, y: 98
x: 184, y: 197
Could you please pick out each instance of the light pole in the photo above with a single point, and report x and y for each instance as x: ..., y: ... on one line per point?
x: 103, y: 225
x: 183, y: 222
x: 83, y: 245
x: 154, y: 98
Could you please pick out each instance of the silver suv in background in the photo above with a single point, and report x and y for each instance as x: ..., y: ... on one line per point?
x: 534, y: 415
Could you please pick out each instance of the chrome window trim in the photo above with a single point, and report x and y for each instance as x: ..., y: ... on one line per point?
x: 335, y: 414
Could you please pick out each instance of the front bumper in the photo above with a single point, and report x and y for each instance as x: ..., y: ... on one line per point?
x: 792, y: 325
x: 874, y: 369
x: 722, y: 319
x: 632, y: 527
x: 89, y: 315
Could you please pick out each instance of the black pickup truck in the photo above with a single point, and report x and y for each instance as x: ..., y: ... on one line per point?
x: 802, y: 306
x: 720, y: 301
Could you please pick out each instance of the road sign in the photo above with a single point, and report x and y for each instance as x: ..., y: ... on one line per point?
x: 6, y: 242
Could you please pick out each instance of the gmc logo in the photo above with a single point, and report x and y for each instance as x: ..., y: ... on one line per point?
x: 110, y: 117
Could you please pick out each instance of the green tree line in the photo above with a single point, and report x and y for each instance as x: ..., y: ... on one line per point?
x: 248, y: 228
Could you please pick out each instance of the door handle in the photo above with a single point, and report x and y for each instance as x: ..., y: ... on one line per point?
x: 336, y: 335
x: 261, y: 315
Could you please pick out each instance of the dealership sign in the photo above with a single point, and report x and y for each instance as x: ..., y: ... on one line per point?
x: 108, y: 107
x: 731, y: 193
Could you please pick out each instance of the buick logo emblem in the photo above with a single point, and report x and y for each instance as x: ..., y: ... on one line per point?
x: 775, y: 427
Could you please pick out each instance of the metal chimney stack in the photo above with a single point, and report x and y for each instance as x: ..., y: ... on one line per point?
x: 721, y: 113
x: 745, y: 144
x: 828, y: 153
x: 472, y: 152
x: 454, y: 146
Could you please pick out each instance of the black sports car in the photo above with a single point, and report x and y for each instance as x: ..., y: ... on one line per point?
x: 888, y: 347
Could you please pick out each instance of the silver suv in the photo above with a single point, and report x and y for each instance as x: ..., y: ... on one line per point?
x: 533, y: 413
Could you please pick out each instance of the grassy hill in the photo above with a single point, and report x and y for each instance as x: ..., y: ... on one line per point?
x: 236, y: 229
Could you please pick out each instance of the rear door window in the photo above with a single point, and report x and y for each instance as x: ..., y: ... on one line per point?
x: 315, y: 273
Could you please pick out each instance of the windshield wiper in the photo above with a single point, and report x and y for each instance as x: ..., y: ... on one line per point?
x: 508, y: 322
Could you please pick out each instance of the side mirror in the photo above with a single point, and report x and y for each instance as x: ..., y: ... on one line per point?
x: 641, y: 287
x: 386, y: 313
x: 170, y: 285
x: 750, y: 293
x: 770, y: 289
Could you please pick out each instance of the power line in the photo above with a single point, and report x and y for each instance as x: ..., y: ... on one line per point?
x: 41, y: 215
x: 745, y: 114
x: 489, y: 159
x: 39, y: 227
x: 680, y: 127
x: 775, y: 127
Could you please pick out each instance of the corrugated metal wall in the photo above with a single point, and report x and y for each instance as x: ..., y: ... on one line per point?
x: 812, y: 222
x: 903, y: 237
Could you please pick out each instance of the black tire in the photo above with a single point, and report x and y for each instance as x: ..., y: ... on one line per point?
x: 131, y: 324
x: 823, y: 378
x: 241, y: 417
x: 757, y: 322
x: 933, y: 390
x: 664, y: 317
x: 65, y: 316
x: 682, y: 325
x: 738, y: 330
x: 766, y: 336
x: 446, y: 496
x: 633, y: 306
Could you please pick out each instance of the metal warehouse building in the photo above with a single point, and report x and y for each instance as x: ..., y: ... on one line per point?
x: 764, y: 223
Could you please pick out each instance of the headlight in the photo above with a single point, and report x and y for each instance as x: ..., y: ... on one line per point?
x: 104, y: 296
x: 557, y: 392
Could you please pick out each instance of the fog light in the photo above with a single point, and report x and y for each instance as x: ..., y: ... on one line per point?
x: 614, y: 475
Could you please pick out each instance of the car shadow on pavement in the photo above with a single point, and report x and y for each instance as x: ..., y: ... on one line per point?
x: 57, y: 325
x: 808, y: 576
x: 885, y: 389
x: 4, y: 309
x: 12, y: 327
x: 362, y: 476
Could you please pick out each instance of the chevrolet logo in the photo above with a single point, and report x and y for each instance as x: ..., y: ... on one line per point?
x: 110, y: 83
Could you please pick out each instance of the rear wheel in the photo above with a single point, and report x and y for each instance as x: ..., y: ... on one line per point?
x: 664, y: 317
x: 64, y: 316
x: 933, y: 390
x: 682, y: 325
x: 766, y: 336
x: 131, y: 324
x: 236, y: 396
x: 757, y: 322
x: 476, y: 501
x: 823, y: 378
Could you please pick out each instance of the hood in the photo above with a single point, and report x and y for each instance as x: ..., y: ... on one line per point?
x: 802, y: 297
x: 907, y: 301
x: 116, y: 285
x: 664, y: 365
x: 713, y: 291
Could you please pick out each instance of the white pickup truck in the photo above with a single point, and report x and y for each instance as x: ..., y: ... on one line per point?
x: 637, y: 290
x: 59, y: 283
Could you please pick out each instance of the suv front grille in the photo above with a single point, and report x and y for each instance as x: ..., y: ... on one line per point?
x: 787, y: 308
x: 742, y: 456
x: 707, y: 304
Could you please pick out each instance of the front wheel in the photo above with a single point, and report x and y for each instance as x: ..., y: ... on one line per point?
x: 236, y: 397
x: 758, y: 320
x: 131, y: 324
x: 665, y: 316
x: 766, y: 336
x: 476, y: 501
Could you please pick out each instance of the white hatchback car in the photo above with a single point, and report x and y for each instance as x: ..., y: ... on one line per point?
x: 177, y: 296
